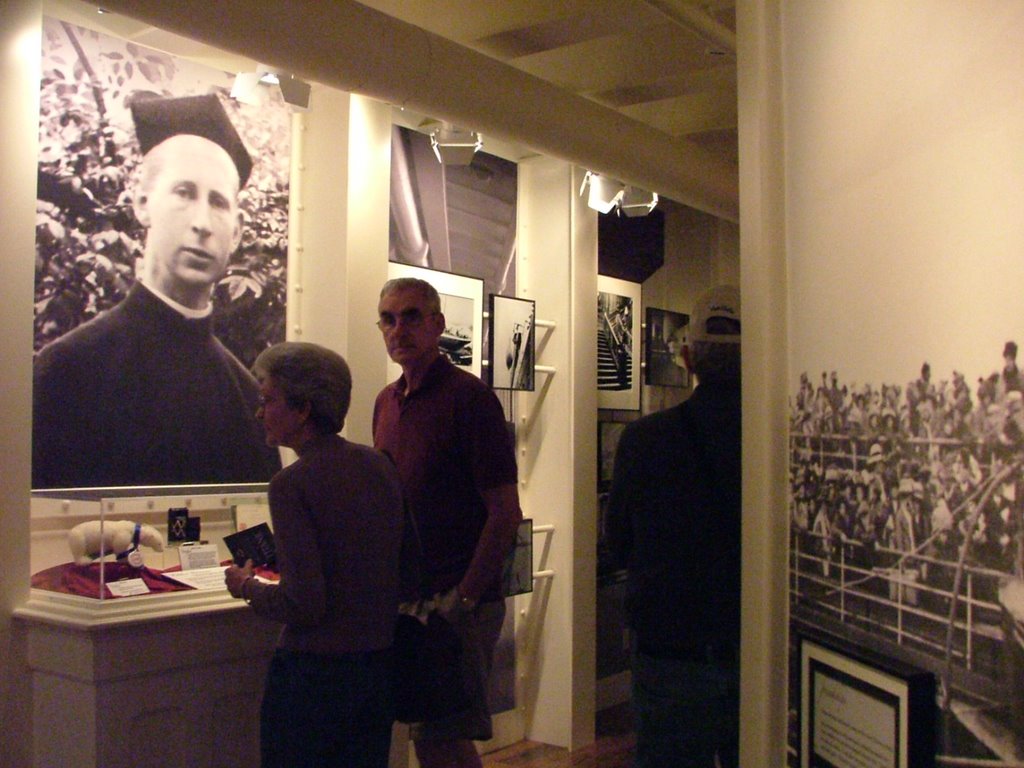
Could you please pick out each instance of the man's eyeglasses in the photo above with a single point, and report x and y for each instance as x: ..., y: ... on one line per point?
x: 410, y: 318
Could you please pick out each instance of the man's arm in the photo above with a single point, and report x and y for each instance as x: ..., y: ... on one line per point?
x: 497, y: 538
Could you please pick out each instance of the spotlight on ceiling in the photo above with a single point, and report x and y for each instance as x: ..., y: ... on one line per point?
x: 637, y: 202
x: 604, y: 193
x: 249, y: 87
x: 454, y: 146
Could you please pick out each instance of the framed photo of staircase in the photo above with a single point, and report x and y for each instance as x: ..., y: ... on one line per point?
x: 618, y: 344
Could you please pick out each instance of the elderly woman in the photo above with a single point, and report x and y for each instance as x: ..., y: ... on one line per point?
x: 337, y: 518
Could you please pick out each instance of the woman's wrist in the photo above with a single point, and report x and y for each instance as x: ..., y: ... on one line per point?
x: 245, y: 591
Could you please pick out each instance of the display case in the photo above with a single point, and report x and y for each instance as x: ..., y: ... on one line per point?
x: 156, y: 656
x: 110, y: 543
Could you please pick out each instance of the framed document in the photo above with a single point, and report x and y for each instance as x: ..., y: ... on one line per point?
x: 858, y: 712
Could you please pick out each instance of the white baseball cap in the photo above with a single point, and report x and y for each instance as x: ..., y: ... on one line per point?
x: 716, y: 316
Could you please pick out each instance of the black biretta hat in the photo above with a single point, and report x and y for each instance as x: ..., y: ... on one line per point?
x: 158, y: 119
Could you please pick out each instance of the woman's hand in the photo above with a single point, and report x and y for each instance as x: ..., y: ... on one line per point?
x: 235, y: 577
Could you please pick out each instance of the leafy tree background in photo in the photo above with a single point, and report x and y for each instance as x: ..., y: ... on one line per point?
x: 88, y: 242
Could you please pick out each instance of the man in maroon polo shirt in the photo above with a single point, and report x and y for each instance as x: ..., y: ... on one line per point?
x: 445, y: 430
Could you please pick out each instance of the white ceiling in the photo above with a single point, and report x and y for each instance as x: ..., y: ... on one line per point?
x: 669, y: 64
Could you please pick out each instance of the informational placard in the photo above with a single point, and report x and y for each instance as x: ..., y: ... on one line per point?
x: 860, y: 713
x: 195, y: 556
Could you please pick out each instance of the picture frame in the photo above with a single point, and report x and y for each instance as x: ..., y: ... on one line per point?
x: 853, y: 706
x: 608, y: 434
x: 618, y: 344
x: 462, y: 304
x: 517, y: 570
x: 513, y: 343
x: 663, y: 348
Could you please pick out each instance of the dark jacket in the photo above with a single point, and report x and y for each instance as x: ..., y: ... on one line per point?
x: 674, y: 522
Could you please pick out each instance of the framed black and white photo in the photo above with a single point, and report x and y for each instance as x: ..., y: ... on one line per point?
x: 517, y: 571
x: 513, y: 342
x: 663, y: 358
x: 121, y: 396
x: 462, y: 304
x: 618, y: 344
x: 858, y: 711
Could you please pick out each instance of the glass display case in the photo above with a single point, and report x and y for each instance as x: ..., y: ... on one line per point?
x: 108, y: 543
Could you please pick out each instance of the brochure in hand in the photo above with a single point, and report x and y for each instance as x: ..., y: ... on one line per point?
x: 255, y: 543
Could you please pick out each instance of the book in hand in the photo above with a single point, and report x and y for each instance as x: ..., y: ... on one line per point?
x: 255, y: 543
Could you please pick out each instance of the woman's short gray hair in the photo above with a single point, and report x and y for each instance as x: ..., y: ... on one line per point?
x: 308, y: 373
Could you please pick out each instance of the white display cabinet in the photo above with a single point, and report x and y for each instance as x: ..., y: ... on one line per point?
x: 183, y: 667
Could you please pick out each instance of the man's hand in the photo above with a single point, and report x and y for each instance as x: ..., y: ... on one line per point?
x: 452, y: 606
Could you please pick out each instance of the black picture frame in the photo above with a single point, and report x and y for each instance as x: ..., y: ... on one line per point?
x: 517, y: 571
x: 618, y: 344
x: 513, y: 343
x: 853, y: 703
x: 663, y: 348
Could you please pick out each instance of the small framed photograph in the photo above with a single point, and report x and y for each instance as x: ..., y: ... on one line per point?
x: 608, y: 434
x: 859, y: 711
x: 663, y: 361
x: 462, y: 304
x: 517, y: 571
x: 513, y: 343
x: 618, y: 344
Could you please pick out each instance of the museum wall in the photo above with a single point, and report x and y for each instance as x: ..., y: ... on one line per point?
x: 337, y: 262
x: 904, y: 192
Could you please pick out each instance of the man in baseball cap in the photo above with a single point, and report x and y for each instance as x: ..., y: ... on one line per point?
x: 674, y: 523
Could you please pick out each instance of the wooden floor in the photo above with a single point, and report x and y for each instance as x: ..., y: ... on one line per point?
x: 613, y: 748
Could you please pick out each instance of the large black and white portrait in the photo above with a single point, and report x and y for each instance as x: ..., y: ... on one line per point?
x: 513, y: 342
x: 618, y: 348
x: 161, y: 258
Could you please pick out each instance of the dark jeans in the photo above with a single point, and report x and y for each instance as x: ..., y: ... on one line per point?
x: 321, y: 711
x: 686, y: 712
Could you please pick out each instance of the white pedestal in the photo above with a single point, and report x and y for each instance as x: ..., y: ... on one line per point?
x: 170, y: 680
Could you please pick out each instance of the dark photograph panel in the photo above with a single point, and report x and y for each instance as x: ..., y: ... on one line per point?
x: 666, y: 332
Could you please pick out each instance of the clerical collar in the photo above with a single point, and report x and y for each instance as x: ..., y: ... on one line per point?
x: 181, y: 309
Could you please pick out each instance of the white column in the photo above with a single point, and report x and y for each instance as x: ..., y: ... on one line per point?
x: 763, y: 657
x: 20, y: 30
